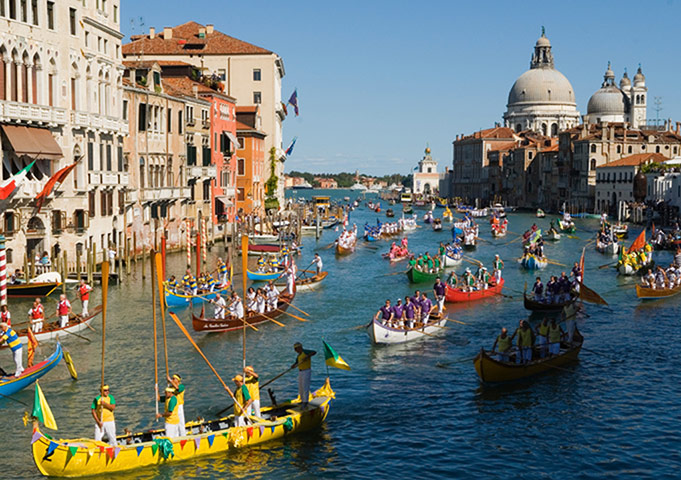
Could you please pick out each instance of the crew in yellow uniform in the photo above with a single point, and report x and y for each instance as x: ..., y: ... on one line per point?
x: 525, y: 342
x: 555, y: 335
x: 103, y: 407
x: 243, y: 399
x: 502, y: 345
x: 7, y: 334
x: 304, y: 364
x: 253, y: 384
x: 542, y: 336
x: 176, y: 381
x: 172, y: 419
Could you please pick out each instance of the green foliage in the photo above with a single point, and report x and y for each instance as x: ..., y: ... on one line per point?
x: 346, y: 179
x: 271, y: 201
x: 654, y: 167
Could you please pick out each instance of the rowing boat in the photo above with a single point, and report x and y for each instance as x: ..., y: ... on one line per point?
x: 396, y: 258
x: 263, y: 276
x: 567, y: 227
x: 628, y: 269
x: 306, y: 284
x: 52, y: 330
x: 455, y: 295
x: 340, y: 250
x: 532, y: 262
x: 11, y: 385
x: 499, y: 231
x: 84, y: 457
x: 452, y: 259
x: 417, y: 276
x: 491, y: 370
x: 646, y: 293
x: 535, y: 306
x: 540, y: 213
x: 384, y: 334
x: 174, y: 299
x: 32, y: 289
x: 231, y: 323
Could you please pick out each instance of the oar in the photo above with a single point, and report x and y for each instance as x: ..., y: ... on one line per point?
x: 394, y: 273
x: 600, y: 354
x: 272, y: 320
x: 84, y: 322
x: 79, y: 336
x: 611, y: 264
x: 260, y: 387
x: 291, y: 315
x: 473, y: 261
x: 304, y: 270
x: 291, y: 305
x: 14, y: 400
x: 555, y: 263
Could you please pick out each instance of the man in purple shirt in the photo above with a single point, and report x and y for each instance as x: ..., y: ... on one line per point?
x: 398, y: 310
x: 426, y: 307
x: 385, y: 312
x: 409, y: 313
x: 439, y: 292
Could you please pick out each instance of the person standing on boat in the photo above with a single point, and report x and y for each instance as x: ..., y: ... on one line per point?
x: 173, y: 286
x: 252, y: 382
x: 648, y: 280
x: 171, y: 415
x: 525, y: 342
x: 5, y: 316
x: 398, y: 313
x: 426, y: 308
x: 317, y: 261
x: 556, y: 333
x: 563, y: 288
x: 272, y: 296
x: 7, y: 334
x: 220, y: 306
x: 63, y: 310
x: 262, y: 265
x: 576, y: 273
x: 543, y: 336
x: 103, y: 407
x: 236, y: 306
x: 552, y: 290
x: 261, y: 300
x: 222, y: 272
x: 439, y: 292
x: 291, y: 278
x: 304, y: 364
x: 468, y: 281
x: 36, y: 316
x: 189, y: 283
x: 243, y: 401
x: 176, y: 382
x: 498, y: 265
x: 386, y: 313
x: 502, y: 344
x: 84, y: 294
x: 251, y: 300
x: 409, y: 313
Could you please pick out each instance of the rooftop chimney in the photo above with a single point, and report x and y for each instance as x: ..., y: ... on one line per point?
x: 195, y: 90
x: 167, y: 33
x: 202, y: 32
x: 152, y: 32
x: 209, y: 28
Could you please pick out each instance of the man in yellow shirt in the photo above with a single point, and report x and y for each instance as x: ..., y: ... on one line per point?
x: 243, y: 398
x: 172, y: 419
x: 252, y: 382
x: 304, y: 364
x: 176, y: 382
x: 103, y: 407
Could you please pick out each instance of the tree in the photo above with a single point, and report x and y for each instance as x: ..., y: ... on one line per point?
x: 272, y: 183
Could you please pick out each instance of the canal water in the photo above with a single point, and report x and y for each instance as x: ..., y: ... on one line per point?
x: 407, y: 410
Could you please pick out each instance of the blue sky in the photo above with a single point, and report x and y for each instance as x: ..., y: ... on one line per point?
x: 377, y: 80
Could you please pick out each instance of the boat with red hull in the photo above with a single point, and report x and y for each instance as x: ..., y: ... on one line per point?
x: 455, y: 295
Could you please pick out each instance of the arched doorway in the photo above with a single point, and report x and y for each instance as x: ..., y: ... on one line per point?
x: 35, y: 237
x: 426, y: 188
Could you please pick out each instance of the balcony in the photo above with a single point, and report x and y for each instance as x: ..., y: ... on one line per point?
x: 94, y: 120
x: 229, y: 191
x: 27, y: 112
x: 203, y: 172
x: 164, y: 193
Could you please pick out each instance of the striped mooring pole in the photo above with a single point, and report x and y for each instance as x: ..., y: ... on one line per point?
x: 3, y: 271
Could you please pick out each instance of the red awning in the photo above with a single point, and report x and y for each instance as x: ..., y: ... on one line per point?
x: 34, y: 142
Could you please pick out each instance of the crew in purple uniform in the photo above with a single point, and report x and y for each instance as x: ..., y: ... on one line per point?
x: 564, y: 287
x: 538, y: 290
x: 552, y: 289
x: 439, y: 292
x: 426, y: 307
x: 409, y: 312
x: 398, y: 310
x: 577, y: 274
x: 385, y: 312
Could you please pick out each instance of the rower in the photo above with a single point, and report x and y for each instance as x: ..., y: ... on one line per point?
x: 485, y: 278
x: 261, y: 300
x: 398, y: 313
x: 556, y: 333
x: 84, y: 294
x: 173, y: 286
x: 189, y: 283
x: 272, y: 297
x: 386, y: 313
x: 261, y: 264
x: 426, y: 307
x: 542, y: 336
x: 291, y: 278
x: 103, y: 407
x: 210, y: 283
x: 236, y: 306
x: 220, y: 307
x: 317, y: 261
x: 468, y: 281
x: 498, y: 265
x: 525, y: 342
x: 439, y: 292
x: 252, y: 383
x: 409, y: 312
x: 36, y: 316
x: 563, y: 288
x: 551, y: 289
x: 5, y: 316
x: 63, y: 310
x: 576, y: 273
x: 222, y: 272
x: 251, y: 300
x: 7, y: 334
x: 176, y: 382
x: 503, y: 345
x: 304, y: 364
x: 171, y: 416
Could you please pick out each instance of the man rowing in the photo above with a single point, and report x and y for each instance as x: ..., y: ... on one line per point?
x: 543, y: 336
x: 7, y: 334
x: 84, y: 294
x: 63, y: 310
x: 222, y: 272
x: 176, y: 382
x: 498, y: 266
x: 242, y: 403
x: 410, y: 311
x: 556, y: 333
x: 502, y: 344
x: 103, y: 407
x: 426, y: 307
x: 251, y: 381
x: 317, y: 262
x: 304, y: 364
x: 525, y: 342
x: 189, y: 283
x: 171, y: 414
x: 439, y: 292
x: 398, y: 313
x: 220, y: 306
x: 386, y: 313
x: 272, y: 296
x: 236, y: 306
x: 36, y: 316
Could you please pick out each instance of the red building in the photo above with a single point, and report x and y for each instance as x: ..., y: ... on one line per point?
x: 223, y: 145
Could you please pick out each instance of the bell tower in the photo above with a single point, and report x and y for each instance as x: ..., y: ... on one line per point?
x: 639, y: 99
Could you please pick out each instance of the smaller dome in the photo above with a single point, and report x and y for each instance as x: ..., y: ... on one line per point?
x: 625, y: 82
x: 639, y: 78
x: 608, y: 100
x: 542, y: 42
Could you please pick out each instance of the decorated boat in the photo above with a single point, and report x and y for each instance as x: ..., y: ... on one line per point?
x: 53, y: 330
x: 629, y: 269
x: 403, y: 254
x: 177, y: 299
x: 84, y: 457
x: 447, y: 215
x: 312, y: 282
x: 452, y: 258
x: 499, y: 230
x: 346, y: 250
x: 231, y: 323
x: 32, y: 289
x: 646, y: 293
x: 457, y: 294
x: 567, y: 226
x: 540, y: 213
x: 264, y: 276
x: 479, y: 212
x: 545, y: 307
x: 417, y: 276
x: 384, y: 334
x: 11, y: 385
x: 611, y: 248
x: 532, y: 262
x: 491, y: 370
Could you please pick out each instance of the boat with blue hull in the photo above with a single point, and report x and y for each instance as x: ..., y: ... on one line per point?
x: 12, y: 385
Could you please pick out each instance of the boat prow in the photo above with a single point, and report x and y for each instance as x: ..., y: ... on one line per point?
x: 385, y: 335
x: 11, y: 385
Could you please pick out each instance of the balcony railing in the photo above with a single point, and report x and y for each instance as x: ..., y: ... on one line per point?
x: 27, y: 112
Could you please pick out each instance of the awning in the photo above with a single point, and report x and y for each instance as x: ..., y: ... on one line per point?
x: 32, y: 141
x: 225, y: 201
x: 232, y: 138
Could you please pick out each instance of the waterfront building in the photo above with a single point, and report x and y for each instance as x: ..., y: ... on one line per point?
x: 541, y: 99
x: 626, y: 103
x: 250, y: 152
x: 249, y: 74
x: 326, y: 183
x: 61, y: 101
x: 426, y: 180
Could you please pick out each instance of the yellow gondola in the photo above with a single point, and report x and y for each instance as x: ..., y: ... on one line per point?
x: 646, y: 293
x: 81, y: 457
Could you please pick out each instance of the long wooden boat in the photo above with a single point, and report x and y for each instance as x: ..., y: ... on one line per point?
x: 646, y: 293
x: 456, y: 295
x: 174, y: 299
x: 535, y: 306
x: 396, y: 258
x: 385, y: 335
x: 417, y: 276
x: 345, y: 250
x: 231, y: 323
x: 35, y: 289
x: 540, y: 213
x: 532, y: 262
x: 52, y: 330
x: 452, y: 259
x: 11, y: 385
x: 308, y: 283
x: 491, y: 370
x: 263, y: 276
x: 84, y: 457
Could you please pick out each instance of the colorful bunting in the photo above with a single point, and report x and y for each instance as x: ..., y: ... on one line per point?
x: 154, y: 448
x: 182, y: 444
x: 117, y: 450
x: 90, y: 452
x: 273, y: 427
x: 197, y: 442
x: 210, y: 440
x: 249, y: 431
x: 262, y: 430
x: 139, y: 450
x: 36, y: 437
x: 110, y: 453
x: 52, y: 447
x: 73, y: 450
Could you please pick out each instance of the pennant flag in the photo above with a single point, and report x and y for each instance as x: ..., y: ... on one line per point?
x: 73, y: 450
x: 58, y: 177
x: 640, y: 242
x: 12, y: 184
x: 289, y: 150
x: 182, y: 444
x: 589, y: 295
x: 117, y: 450
x: 52, y: 447
x: 249, y: 431
x: 294, y: 101
x: 333, y: 359
x: 139, y: 450
x: 36, y: 437
x: 262, y: 430
x: 41, y: 410
x: 273, y: 427
x: 154, y: 448
x: 210, y: 440
x: 197, y: 442
x: 91, y: 452
x: 110, y: 452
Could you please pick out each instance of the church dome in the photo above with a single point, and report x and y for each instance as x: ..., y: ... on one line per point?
x: 608, y: 100
x: 639, y: 78
x: 541, y: 85
x: 625, y: 82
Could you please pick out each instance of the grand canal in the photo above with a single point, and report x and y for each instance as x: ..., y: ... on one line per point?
x: 406, y: 410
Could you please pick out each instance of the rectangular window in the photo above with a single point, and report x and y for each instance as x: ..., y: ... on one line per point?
x: 102, y: 203
x: 125, y: 109
x: 256, y: 75
x: 120, y: 158
x: 157, y: 78
x: 73, y: 94
x: 206, y: 189
x: 108, y: 157
x: 91, y: 203
x: 10, y: 223
x: 191, y: 155
x: 121, y: 202
x: 241, y: 167
x: 2, y: 8
x: 50, y: 15
x: 179, y: 121
x: 24, y: 10
x: 13, y: 9
x: 101, y: 164
x: 72, y: 20
x: 115, y: 13
x: 257, y: 97
x: 206, y: 157
x: 241, y: 142
x: 34, y: 11
x: 142, y: 117
x: 106, y: 46
x: 170, y: 120
x: 90, y: 156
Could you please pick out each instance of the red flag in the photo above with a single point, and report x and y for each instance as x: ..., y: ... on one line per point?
x: 589, y: 295
x: 58, y: 177
x: 581, y: 263
x: 639, y: 243
x: 32, y: 343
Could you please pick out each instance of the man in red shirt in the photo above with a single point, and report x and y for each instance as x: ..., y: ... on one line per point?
x: 63, y: 310
x: 5, y: 316
x: 84, y: 292
x: 36, y: 316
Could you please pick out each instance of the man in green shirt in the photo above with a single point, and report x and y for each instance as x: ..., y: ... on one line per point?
x: 172, y: 419
x: 243, y: 401
x: 103, y: 407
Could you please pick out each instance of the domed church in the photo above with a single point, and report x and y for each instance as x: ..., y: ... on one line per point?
x: 542, y: 98
x: 625, y: 103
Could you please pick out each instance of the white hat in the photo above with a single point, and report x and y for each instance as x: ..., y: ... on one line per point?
x: 468, y: 270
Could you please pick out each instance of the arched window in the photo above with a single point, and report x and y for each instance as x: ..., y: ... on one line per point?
x: 141, y: 172
x: 518, y: 128
x: 593, y: 148
x: 544, y: 129
x: 51, y: 83
x: 36, y: 80
x: 638, y: 99
x: 24, y: 77
x: 3, y: 80
x: 643, y: 99
x: 554, y: 129
x: 593, y: 164
x: 657, y: 149
x: 74, y: 87
x: 14, y: 77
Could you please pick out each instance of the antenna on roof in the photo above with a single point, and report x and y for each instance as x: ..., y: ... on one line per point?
x: 658, y: 109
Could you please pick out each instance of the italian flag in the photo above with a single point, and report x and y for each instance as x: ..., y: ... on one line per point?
x: 11, y: 184
x: 333, y: 359
x: 41, y: 410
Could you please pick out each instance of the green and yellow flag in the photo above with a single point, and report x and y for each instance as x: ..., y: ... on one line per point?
x: 41, y: 410
x: 333, y: 359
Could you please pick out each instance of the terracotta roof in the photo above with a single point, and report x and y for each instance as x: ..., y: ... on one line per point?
x: 552, y: 148
x: 184, y: 86
x: 247, y: 109
x: 185, y: 40
x: 490, y: 133
x: 504, y: 147
x: 150, y: 63
x: 636, y: 160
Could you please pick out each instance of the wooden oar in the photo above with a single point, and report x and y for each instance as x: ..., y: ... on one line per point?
x: 611, y: 264
x: 394, y: 273
x: 291, y: 315
x: 551, y: 262
x: 471, y: 260
x: 291, y: 305
x: 79, y: 336
x: 600, y: 354
x: 270, y: 319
